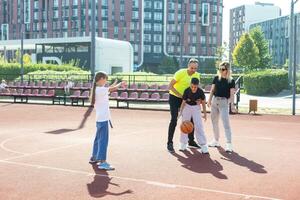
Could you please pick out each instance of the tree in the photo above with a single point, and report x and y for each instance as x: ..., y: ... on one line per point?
x: 168, y: 66
x: 246, y: 53
x: 263, y: 46
x: 220, y: 54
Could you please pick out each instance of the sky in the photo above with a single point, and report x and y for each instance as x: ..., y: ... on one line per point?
x: 228, y: 4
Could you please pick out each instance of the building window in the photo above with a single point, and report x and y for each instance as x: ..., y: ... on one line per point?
x: 147, y: 37
x: 193, y: 18
x: 75, y: 2
x: 148, y: 15
x: 147, y: 48
x: 27, y: 12
x: 171, y: 5
x: 205, y: 14
x: 157, y: 27
x: 171, y: 16
x: 214, y: 19
x: 157, y: 5
x: 193, y: 7
x: 157, y: 38
x: 75, y: 12
x: 158, y: 16
x: 104, y: 24
x: 104, y: 13
x: 4, y: 32
x: 203, y: 39
x: 148, y: 4
x: 147, y: 27
x: 157, y: 49
x: 135, y: 3
x: 55, y: 14
x: 192, y: 49
x: 55, y: 3
x: 135, y: 14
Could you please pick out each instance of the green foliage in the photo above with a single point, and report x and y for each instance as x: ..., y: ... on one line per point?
x: 263, y: 47
x: 246, y: 53
x: 12, y: 70
x: 168, y: 66
x: 73, y: 75
x: 266, y: 82
x: 220, y: 54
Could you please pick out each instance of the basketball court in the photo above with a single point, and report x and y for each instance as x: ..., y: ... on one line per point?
x: 44, y: 153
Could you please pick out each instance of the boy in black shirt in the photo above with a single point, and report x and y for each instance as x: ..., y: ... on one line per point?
x: 190, y: 108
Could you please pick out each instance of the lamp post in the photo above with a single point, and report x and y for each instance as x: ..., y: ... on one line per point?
x: 93, y: 38
x: 293, y: 2
x: 295, y: 66
x: 22, y: 42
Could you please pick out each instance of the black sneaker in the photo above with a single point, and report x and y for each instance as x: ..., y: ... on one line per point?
x: 193, y: 144
x: 93, y: 161
x: 170, y: 148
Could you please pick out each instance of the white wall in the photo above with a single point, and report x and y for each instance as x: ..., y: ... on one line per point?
x: 113, y: 53
x: 258, y: 13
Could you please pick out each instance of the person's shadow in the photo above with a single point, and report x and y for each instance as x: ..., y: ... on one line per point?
x: 80, y: 126
x: 242, y: 161
x: 200, y: 163
x: 98, y: 187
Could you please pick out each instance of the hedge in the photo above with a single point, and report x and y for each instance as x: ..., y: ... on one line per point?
x: 13, y: 70
x: 266, y: 82
x: 57, y: 75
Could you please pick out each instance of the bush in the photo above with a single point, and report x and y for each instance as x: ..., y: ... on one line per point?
x: 266, y: 82
x: 13, y: 70
x: 56, y: 75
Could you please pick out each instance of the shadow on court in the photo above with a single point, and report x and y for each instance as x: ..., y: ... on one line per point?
x: 99, y: 186
x: 200, y: 163
x: 242, y: 161
x: 81, y: 125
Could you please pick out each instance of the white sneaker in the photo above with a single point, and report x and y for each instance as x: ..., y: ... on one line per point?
x: 214, y: 143
x: 204, y: 149
x: 183, y: 147
x: 228, y: 147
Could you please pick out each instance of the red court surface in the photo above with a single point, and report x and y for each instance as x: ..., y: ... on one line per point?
x: 44, y: 153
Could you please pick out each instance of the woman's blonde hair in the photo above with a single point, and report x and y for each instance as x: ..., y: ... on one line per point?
x: 98, y: 76
x: 227, y: 66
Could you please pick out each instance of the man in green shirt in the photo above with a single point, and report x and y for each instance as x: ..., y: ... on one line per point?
x: 178, y: 84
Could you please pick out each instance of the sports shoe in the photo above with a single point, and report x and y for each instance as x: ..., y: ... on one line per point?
x: 93, y: 161
x: 214, y: 143
x: 193, y: 144
x: 183, y: 147
x: 204, y: 149
x: 228, y: 147
x: 170, y: 148
x: 105, y: 166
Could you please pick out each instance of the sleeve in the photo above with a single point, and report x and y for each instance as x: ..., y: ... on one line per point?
x: 185, y: 95
x: 232, y: 84
x: 215, y: 80
x: 202, y: 95
x: 178, y: 75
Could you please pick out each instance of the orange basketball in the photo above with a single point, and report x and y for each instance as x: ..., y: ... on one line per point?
x: 186, y: 127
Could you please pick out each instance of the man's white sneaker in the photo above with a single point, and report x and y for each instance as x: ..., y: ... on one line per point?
x: 183, y: 147
x: 214, y: 143
x: 228, y: 147
x: 204, y: 149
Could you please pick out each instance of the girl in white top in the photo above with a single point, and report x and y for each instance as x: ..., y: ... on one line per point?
x: 100, y: 100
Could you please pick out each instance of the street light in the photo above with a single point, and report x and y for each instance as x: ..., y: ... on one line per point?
x: 293, y: 2
x: 183, y: 7
x: 292, y: 53
x: 93, y: 38
x: 22, y: 42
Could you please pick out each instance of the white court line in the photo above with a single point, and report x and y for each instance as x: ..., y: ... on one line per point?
x: 44, y: 151
x: 2, y: 145
x: 156, y: 183
x: 268, y: 139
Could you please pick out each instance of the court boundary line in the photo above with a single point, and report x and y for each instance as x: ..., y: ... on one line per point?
x: 145, y: 181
